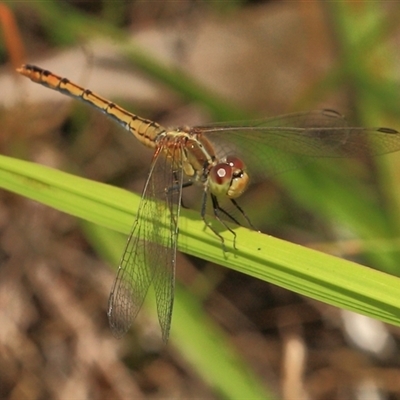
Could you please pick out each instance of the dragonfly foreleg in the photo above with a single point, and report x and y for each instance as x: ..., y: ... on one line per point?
x: 208, y: 225
x: 177, y: 187
x: 218, y: 209
x: 244, y: 214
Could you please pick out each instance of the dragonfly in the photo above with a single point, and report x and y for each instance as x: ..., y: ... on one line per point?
x: 221, y: 159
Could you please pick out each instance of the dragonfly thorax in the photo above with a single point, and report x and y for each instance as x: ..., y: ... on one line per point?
x: 228, y: 178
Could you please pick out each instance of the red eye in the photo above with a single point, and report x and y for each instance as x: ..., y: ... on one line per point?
x: 221, y: 173
x: 235, y: 162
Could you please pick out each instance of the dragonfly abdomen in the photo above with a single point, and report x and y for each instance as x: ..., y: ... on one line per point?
x: 143, y: 129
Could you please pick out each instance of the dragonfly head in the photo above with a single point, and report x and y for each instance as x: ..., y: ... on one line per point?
x: 228, y: 178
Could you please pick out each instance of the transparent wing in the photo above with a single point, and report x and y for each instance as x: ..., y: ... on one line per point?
x: 170, y: 180
x: 150, y: 252
x: 305, y: 136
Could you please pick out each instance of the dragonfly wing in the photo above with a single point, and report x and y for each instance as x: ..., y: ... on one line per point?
x: 169, y: 176
x: 289, y: 141
x: 149, y: 255
x: 131, y: 283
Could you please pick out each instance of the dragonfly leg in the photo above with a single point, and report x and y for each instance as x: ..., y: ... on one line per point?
x: 244, y: 214
x: 217, y: 209
x: 176, y: 187
x: 208, y: 225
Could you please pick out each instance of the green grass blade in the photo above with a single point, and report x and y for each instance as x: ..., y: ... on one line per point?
x: 323, y: 277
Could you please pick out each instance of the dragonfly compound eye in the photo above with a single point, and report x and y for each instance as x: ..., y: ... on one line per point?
x: 220, y: 178
x: 226, y: 179
x: 235, y: 163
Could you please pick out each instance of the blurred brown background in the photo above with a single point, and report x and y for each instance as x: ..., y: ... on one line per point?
x: 265, y: 58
